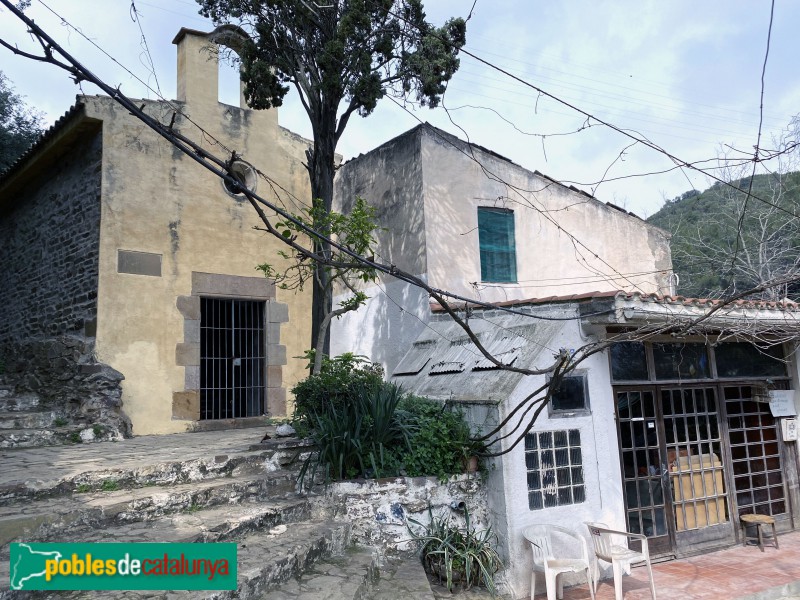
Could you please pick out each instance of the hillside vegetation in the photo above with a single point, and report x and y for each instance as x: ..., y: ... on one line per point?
x: 704, y: 227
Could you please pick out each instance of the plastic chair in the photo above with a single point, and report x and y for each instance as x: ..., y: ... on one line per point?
x: 620, y: 556
x: 541, y: 540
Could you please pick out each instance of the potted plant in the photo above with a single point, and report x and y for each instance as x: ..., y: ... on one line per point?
x: 470, y: 452
x: 458, y: 555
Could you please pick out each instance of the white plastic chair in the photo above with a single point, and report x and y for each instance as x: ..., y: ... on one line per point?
x: 616, y: 552
x: 541, y: 540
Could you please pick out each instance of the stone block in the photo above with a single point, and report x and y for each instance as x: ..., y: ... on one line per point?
x: 274, y: 376
x: 276, y: 402
x: 189, y: 307
x: 273, y: 333
x: 191, y: 380
x: 276, y: 355
x: 187, y: 354
x: 232, y: 286
x: 186, y: 405
x: 277, y: 312
x: 191, y: 330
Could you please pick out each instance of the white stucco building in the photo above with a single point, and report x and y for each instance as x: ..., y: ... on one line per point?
x: 668, y: 431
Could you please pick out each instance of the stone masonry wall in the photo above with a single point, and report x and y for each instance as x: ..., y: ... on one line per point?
x: 379, y: 510
x: 49, y: 241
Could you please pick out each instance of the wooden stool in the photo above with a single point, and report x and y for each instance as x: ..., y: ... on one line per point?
x: 758, y: 521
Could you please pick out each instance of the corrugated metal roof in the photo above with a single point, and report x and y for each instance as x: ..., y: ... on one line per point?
x: 414, y: 362
x: 455, y: 359
x: 506, y: 350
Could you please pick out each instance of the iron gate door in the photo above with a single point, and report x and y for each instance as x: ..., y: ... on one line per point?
x: 673, y: 467
x: 232, y: 353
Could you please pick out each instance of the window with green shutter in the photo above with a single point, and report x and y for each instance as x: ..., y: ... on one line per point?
x: 496, y: 238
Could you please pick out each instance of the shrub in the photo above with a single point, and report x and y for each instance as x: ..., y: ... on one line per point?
x: 440, y: 438
x: 364, y: 427
x: 341, y: 378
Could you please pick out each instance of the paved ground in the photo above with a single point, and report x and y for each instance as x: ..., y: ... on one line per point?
x: 737, y: 573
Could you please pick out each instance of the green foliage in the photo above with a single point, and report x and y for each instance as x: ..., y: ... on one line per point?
x: 59, y: 422
x: 364, y: 427
x: 339, y: 379
x: 707, y: 256
x: 97, y: 430
x: 441, y: 438
x: 20, y: 125
x: 354, y: 231
x: 355, y: 51
x: 109, y: 485
x: 458, y: 555
x: 83, y: 488
x: 361, y: 436
x: 75, y: 438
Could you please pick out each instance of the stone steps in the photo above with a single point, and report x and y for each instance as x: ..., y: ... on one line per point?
x: 288, y: 547
x: 349, y: 576
x: 36, y: 520
x: 265, y: 559
x: 170, y: 472
x: 402, y: 578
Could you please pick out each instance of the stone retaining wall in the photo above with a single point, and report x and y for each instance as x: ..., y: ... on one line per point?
x: 379, y: 509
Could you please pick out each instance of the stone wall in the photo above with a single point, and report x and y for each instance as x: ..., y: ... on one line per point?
x: 49, y: 242
x: 63, y: 373
x: 379, y: 509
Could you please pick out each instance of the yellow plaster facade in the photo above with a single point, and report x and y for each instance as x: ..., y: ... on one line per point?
x: 156, y: 200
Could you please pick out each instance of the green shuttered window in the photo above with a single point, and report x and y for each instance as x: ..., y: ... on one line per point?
x: 496, y: 238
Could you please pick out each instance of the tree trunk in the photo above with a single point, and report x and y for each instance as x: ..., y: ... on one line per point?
x: 321, y: 172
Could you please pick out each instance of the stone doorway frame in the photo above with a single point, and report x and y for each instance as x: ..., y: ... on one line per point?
x: 186, y: 403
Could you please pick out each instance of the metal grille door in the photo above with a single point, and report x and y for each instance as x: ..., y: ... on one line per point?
x: 755, y: 454
x: 232, y: 348
x: 695, y: 460
x: 644, y: 471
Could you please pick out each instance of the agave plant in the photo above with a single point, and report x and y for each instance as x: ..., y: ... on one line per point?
x: 359, y: 437
x: 458, y: 555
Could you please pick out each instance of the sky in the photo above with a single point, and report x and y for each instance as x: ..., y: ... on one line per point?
x: 684, y: 75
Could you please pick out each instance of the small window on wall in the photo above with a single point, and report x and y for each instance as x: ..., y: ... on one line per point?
x: 571, y: 396
x: 554, y: 465
x: 497, y: 245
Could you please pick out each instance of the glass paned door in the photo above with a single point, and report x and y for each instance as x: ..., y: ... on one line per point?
x: 643, y: 469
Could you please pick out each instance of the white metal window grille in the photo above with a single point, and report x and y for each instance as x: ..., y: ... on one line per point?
x: 555, y: 468
x: 232, y: 358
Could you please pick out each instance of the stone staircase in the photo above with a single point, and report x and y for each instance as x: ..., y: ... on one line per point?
x: 25, y: 422
x: 287, y: 548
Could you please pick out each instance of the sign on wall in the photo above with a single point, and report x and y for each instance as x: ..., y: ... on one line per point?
x: 781, y: 403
